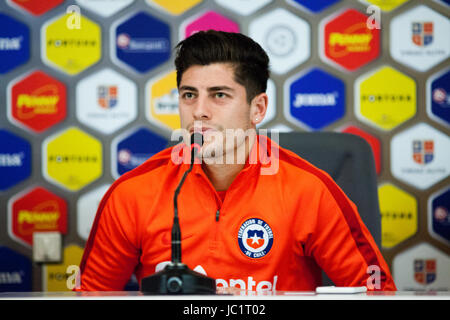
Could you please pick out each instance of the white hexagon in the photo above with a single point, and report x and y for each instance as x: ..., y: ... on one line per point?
x: 420, y: 268
x: 106, y: 101
x: 419, y: 38
x: 280, y: 127
x: 87, y: 206
x: 104, y: 8
x: 243, y: 7
x: 272, y: 104
x: 284, y: 36
x: 420, y: 156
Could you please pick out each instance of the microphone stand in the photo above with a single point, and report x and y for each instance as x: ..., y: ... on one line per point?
x: 176, y: 277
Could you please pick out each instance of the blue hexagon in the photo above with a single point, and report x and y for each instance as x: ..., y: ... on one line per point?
x: 314, y: 6
x: 314, y: 98
x: 14, y: 43
x: 15, y: 271
x: 439, y: 215
x: 438, y: 99
x: 134, y: 147
x: 15, y: 159
x: 140, y: 42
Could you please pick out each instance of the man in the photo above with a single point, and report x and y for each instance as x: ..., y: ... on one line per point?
x: 242, y: 224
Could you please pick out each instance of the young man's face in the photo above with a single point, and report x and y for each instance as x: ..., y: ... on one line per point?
x: 212, y: 101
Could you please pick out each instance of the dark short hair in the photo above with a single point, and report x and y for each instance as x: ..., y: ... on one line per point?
x: 249, y: 60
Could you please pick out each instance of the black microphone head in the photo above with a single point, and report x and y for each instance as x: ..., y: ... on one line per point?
x: 196, y: 140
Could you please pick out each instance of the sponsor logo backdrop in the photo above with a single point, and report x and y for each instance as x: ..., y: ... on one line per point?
x: 83, y: 85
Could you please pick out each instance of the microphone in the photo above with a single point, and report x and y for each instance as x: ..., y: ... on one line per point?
x: 196, y: 144
x: 177, y: 278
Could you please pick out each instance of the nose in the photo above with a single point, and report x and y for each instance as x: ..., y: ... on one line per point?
x: 201, y: 109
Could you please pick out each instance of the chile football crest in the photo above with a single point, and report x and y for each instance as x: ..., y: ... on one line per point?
x: 255, y: 238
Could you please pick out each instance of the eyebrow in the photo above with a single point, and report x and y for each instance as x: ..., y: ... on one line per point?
x: 211, y: 89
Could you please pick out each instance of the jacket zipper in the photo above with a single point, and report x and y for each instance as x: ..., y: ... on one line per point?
x: 217, y: 215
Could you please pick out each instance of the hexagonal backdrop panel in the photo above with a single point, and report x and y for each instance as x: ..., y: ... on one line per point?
x: 72, y: 159
x: 140, y: 42
x: 420, y: 156
x: 419, y: 38
x: 347, y: 42
x: 15, y: 159
x: 385, y: 98
x: 399, y: 218
x: 133, y: 147
x: 14, y: 43
x: 174, y: 7
x: 439, y: 215
x: 104, y: 8
x: 16, y: 271
x: 243, y: 7
x: 87, y: 206
x: 284, y: 36
x: 206, y: 21
x: 161, y: 103
x: 438, y: 97
x: 106, y: 101
x: 314, y: 6
x: 36, y: 8
x: 55, y: 275
x: 421, y: 268
x: 70, y: 50
x: 314, y: 99
x: 35, y: 210
x: 36, y: 101
x: 385, y: 5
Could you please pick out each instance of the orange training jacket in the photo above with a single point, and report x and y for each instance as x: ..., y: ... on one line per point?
x: 271, y: 232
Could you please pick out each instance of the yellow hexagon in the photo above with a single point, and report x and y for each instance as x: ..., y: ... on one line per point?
x: 385, y: 98
x: 162, y: 101
x: 387, y: 5
x: 72, y: 159
x: 398, y: 215
x: 175, y: 7
x: 71, y: 47
x: 62, y: 276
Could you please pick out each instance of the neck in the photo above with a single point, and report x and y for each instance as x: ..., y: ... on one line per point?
x: 223, y: 175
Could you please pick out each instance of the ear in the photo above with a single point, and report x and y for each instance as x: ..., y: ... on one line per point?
x: 258, y: 108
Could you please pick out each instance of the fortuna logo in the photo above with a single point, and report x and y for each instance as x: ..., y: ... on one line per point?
x: 315, y: 99
x: 255, y: 238
x: 250, y: 285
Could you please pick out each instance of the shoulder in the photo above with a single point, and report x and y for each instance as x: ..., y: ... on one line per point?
x: 294, y: 167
